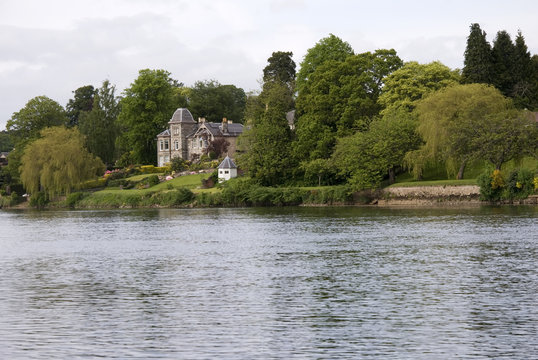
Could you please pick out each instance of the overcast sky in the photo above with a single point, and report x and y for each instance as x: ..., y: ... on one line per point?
x: 53, y: 47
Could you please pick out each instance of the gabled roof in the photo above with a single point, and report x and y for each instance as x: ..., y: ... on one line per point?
x: 227, y: 163
x: 164, y: 133
x: 182, y: 115
x: 216, y: 129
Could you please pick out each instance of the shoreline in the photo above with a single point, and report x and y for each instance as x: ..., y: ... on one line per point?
x: 450, y: 196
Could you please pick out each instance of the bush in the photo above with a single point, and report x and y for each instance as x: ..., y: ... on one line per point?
x: 152, y: 180
x: 178, y: 164
x: 491, y: 185
x: 38, y: 200
x: 72, y: 199
x: 177, y: 197
x: 520, y: 184
x: 93, y: 184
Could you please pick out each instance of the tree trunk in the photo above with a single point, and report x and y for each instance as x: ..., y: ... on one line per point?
x: 460, y: 171
x: 392, y: 177
x: 319, y: 180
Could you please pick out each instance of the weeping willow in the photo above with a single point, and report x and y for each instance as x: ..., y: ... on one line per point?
x: 58, y: 162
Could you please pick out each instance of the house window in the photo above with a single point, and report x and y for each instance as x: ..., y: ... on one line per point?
x: 226, y: 171
x: 176, y: 145
x: 221, y: 172
x: 201, y: 143
x: 166, y: 145
x: 166, y: 159
x: 162, y: 145
x: 161, y: 161
x: 176, y: 130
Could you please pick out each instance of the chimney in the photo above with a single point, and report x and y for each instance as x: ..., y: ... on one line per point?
x: 201, y: 120
x: 224, y: 126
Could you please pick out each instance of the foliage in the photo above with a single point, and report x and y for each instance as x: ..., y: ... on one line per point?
x: 339, y: 99
x: 82, y: 101
x: 38, y: 113
x: 443, y: 120
x: 58, y: 162
x: 176, y: 197
x: 151, y: 180
x: 520, y: 184
x: 503, y: 52
x: 11, y: 200
x: 280, y: 68
x: 218, y: 147
x: 269, y: 160
x: 213, y: 101
x: 414, y: 81
x: 74, y: 198
x: 145, y: 110
x: 39, y: 200
x: 177, y: 164
x: 99, y: 124
x: 6, y: 144
x: 367, y: 158
x: 491, y: 185
x: 478, y: 61
x: 318, y: 169
x: 327, y: 49
x: 93, y: 184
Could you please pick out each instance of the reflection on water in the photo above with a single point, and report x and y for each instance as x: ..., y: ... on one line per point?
x: 269, y: 283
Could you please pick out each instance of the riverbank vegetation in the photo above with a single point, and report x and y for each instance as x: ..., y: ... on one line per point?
x: 344, y: 125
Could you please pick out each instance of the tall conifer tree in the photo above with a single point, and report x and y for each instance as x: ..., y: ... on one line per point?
x: 478, y: 62
x: 503, y: 61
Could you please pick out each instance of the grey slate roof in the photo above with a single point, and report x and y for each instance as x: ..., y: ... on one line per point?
x: 216, y: 129
x: 227, y: 163
x: 182, y: 115
x: 164, y: 133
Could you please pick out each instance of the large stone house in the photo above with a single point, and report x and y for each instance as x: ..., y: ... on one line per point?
x: 189, y: 139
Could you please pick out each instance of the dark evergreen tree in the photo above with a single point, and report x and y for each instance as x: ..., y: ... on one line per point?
x: 503, y: 63
x: 478, y: 62
x: 82, y: 101
x: 524, y: 90
x: 281, y: 68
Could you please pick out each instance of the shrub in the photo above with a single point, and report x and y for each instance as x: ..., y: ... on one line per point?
x: 178, y: 164
x: 38, y: 200
x: 175, y: 197
x: 72, y: 199
x: 491, y: 185
x: 93, y: 184
x: 520, y: 184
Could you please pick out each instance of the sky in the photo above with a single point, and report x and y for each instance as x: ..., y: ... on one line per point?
x: 53, y: 47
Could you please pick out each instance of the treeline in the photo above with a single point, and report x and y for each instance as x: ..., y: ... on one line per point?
x: 342, y: 118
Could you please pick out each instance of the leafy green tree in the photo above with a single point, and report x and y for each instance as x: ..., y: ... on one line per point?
x: 268, y: 160
x: 38, y: 113
x: 213, y: 101
x: 99, y: 125
x: 440, y: 117
x: 327, y: 49
x: 414, y: 81
x: 503, y: 63
x: 339, y: 99
x: 146, y: 108
x: 498, y: 138
x: 367, y: 158
x: 281, y: 68
x: 5, y: 142
x: 318, y: 169
x: 478, y: 61
x: 82, y: 101
x: 58, y: 162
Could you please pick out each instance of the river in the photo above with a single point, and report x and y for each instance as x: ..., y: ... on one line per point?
x: 270, y: 283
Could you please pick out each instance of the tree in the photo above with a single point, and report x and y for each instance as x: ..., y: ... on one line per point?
x: 367, y: 158
x: 339, y: 99
x: 38, y: 113
x: 327, y: 49
x: 524, y: 91
x: 81, y: 102
x: 478, y: 61
x: 5, y: 142
x: 317, y: 168
x: 281, y: 68
x: 146, y: 109
x: 58, y: 162
x: 268, y: 160
x: 498, y: 138
x: 99, y: 125
x: 503, y: 63
x: 218, y: 147
x: 213, y: 101
x: 406, y: 86
x: 441, y: 114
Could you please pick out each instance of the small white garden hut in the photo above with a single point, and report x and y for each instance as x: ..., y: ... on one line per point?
x: 227, y: 169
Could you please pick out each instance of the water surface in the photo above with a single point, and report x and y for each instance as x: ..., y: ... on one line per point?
x: 269, y: 283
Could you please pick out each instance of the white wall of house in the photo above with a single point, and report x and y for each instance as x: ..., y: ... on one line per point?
x: 227, y: 174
